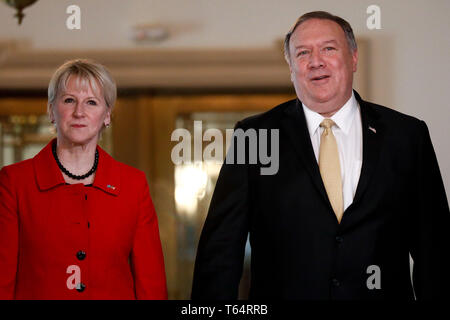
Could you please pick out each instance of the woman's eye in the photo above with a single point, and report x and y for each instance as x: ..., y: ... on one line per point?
x: 92, y: 102
x: 68, y: 100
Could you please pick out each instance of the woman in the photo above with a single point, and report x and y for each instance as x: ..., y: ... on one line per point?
x: 75, y: 223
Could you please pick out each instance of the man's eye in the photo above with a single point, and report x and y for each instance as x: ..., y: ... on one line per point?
x: 68, y: 100
x: 329, y: 48
x: 302, y: 53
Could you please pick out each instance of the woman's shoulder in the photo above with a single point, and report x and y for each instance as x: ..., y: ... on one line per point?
x: 128, y: 170
x: 129, y: 178
x: 18, y: 169
x: 118, y: 167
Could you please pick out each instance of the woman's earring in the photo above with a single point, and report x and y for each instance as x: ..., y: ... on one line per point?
x: 107, y: 125
x: 52, y: 129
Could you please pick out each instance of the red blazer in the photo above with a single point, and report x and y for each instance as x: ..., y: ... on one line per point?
x: 108, y: 232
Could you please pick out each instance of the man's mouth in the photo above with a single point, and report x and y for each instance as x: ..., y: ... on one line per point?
x: 320, y: 77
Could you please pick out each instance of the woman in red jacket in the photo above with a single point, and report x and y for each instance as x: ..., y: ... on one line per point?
x: 75, y: 223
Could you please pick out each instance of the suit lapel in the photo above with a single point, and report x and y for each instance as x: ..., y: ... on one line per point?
x: 372, y: 135
x: 294, y: 125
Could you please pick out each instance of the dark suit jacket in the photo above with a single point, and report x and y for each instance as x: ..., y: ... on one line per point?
x: 299, y: 250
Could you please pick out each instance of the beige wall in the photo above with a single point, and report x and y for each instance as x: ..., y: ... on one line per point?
x: 409, y: 57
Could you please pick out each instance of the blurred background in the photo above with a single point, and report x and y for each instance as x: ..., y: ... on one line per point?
x: 178, y: 61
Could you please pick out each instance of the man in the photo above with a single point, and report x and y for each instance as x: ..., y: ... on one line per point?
x: 357, y: 191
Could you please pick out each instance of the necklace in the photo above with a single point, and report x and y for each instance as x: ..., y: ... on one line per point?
x: 71, y: 175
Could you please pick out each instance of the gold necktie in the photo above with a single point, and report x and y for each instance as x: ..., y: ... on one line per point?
x: 330, y: 168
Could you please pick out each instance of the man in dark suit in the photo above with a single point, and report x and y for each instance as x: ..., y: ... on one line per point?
x: 357, y: 192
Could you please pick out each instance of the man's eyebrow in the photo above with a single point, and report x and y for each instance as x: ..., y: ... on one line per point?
x: 300, y: 46
x: 323, y: 42
x: 329, y: 41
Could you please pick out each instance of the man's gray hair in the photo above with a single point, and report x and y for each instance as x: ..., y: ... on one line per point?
x: 324, y: 16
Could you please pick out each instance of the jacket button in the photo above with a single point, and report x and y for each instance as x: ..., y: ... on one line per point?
x: 339, y: 239
x: 335, y: 282
x: 81, y: 255
x: 80, y: 287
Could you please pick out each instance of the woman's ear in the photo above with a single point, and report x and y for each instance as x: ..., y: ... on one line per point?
x: 107, y: 120
x: 50, y: 113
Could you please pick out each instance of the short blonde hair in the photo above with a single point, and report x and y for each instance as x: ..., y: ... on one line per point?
x: 88, y: 71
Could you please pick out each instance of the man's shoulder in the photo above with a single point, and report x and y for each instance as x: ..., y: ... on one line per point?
x: 388, y: 112
x: 272, y: 117
x: 267, y: 119
x: 390, y: 117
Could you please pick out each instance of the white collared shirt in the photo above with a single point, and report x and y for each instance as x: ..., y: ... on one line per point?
x: 348, y: 133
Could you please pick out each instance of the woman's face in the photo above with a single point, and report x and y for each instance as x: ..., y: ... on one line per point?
x: 79, y: 113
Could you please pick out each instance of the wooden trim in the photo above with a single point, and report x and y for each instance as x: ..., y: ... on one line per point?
x: 231, y: 68
x: 24, y: 68
x: 22, y: 106
x: 220, y: 103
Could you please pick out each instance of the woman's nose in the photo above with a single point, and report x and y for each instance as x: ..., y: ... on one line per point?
x: 79, y: 110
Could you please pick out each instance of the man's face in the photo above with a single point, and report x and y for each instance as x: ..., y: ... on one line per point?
x: 322, y: 65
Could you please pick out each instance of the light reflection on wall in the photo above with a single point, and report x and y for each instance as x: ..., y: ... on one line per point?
x: 190, y: 184
x: 194, y: 187
x: 192, y: 181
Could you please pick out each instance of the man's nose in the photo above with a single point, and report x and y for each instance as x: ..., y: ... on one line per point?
x: 315, y: 60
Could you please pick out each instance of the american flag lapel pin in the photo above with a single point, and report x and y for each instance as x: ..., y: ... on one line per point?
x: 372, y: 129
x: 111, y: 187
